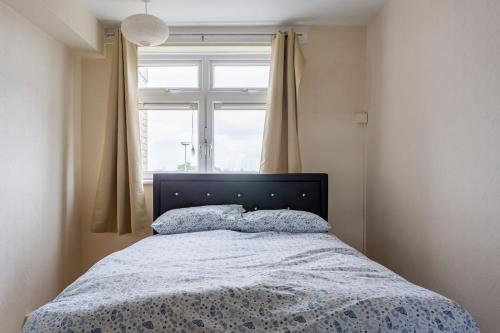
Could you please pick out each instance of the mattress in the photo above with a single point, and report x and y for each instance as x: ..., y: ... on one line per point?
x: 227, y: 281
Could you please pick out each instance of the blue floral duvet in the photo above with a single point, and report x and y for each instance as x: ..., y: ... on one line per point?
x: 227, y: 281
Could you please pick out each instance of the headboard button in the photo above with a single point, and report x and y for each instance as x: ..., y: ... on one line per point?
x: 304, y: 195
x: 176, y: 194
x: 238, y: 195
x: 208, y: 194
x: 272, y: 194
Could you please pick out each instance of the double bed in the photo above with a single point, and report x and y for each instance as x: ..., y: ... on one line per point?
x: 230, y: 281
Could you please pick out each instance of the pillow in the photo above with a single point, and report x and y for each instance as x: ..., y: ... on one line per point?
x: 199, y: 218
x: 282, y: 220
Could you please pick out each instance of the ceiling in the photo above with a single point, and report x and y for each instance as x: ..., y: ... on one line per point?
x: 241, y: 12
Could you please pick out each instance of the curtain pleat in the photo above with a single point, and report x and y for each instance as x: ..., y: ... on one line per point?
x: 280, y: 147
x: 120, y: 203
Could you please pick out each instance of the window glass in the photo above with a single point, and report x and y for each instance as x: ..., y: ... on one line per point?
x: 169, y: 140
x: 210, y: 98
x: 181, y: 76
x: 238, y: 140
x: 240, y: 76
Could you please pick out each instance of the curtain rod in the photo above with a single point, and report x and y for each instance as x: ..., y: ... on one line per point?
x: 228, y: 34
x: 110, y: 33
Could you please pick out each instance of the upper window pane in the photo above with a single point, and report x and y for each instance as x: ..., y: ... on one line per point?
x: 178, y: 76
x: 240, y: 76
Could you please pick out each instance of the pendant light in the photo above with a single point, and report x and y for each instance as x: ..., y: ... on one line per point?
x: 145, y: 29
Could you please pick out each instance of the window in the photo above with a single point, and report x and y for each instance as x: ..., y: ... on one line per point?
x: 237, y: 140
x: 172, y: 76
x: 202, y: 110
x: 169, y: 140
x: 240, y: 76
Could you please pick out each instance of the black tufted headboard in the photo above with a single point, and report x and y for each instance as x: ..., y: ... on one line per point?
x: 305, y: 191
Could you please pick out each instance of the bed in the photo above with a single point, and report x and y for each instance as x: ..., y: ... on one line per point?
x: 230, y: 281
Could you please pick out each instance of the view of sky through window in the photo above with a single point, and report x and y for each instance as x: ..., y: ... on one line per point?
x: 241, y: 76
x: 168, y: 77
x: 238, y: 139
x: 172, y: 140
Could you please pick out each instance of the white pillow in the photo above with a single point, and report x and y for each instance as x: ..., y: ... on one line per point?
x: 283, y: 220
x: 200, y: 218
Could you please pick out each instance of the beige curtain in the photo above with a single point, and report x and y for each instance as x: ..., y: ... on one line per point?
x: 120, y: 205
x: 280, y: 148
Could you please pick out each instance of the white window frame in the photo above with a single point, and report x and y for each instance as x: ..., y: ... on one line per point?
x: 205, y: 97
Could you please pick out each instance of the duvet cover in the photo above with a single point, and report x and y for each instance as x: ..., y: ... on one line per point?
x: 227, y: 281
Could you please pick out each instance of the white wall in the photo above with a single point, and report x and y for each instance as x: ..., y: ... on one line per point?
x: 434, y: 148
x: 39, y: 167
x: 68, y: 21
x: 332, y: 90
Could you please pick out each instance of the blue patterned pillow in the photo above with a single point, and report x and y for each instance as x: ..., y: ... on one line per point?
x: 282, y: 220
x: 199, y: 218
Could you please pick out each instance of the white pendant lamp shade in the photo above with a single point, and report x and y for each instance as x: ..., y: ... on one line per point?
x: 145, y: 30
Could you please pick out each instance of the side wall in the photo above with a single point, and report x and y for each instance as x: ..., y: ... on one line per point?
x: 332, y: 90
x: 434, y: 155
x: 39, y: 168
